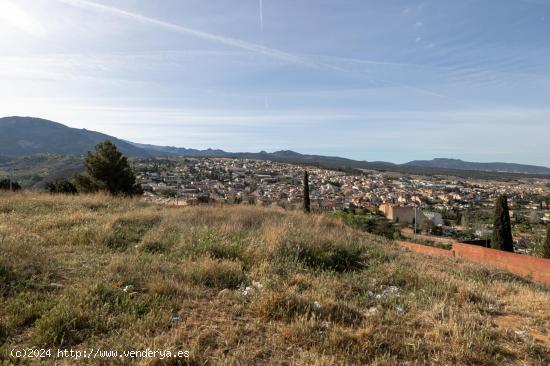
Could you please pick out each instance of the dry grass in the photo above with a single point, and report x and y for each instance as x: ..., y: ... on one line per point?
x: 246, y: 285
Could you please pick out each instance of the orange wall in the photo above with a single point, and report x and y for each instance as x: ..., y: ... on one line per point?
x: 536, y: 269
x: 424, y: 249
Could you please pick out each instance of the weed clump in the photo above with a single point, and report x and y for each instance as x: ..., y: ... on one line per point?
x: 62, y: 326
x: 288, y: 307
x: 215, y: 273
x: 129, y: 231
x: 324, y: 255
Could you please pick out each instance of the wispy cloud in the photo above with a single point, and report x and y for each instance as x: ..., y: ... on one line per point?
x: 228, y: 41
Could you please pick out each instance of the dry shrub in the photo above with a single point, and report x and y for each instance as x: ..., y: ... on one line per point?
x: 287, y: 307
x: 213, y: 273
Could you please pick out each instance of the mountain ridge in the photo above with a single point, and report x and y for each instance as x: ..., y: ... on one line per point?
x: 446, y: 163
x: 21, y: 136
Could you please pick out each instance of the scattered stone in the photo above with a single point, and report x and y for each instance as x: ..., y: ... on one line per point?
x: 128, y: 288
x: 372, y: 311
x: 223, y: 292
x: 390, y: 290
x: 56, y: 285
x: 248, y: 291
x: 521, y: 333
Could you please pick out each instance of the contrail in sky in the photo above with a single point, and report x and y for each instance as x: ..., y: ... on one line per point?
x: 262, y: 15
x: 228, y: 41
x: 233, y: 42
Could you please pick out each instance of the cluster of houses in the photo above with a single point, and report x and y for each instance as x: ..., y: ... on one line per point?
x: 401, y: 198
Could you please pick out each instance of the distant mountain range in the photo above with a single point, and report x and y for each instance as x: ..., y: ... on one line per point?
x: 23, y: 136
x: 486, y: 167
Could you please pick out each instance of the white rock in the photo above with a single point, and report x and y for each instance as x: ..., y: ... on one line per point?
x: 128, y: 288
x: 372, y: 311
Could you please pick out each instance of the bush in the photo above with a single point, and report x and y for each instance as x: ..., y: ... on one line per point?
x: 370, y: 223
x: 8, y: 184
x: 61, y: 186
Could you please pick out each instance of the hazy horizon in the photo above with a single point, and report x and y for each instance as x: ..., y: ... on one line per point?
x: 391, y: 81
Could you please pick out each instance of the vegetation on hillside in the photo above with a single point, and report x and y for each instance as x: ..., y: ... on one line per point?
x: 248, y: 285
x: 34, y: 171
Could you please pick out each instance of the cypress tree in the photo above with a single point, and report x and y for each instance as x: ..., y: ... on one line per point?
x: 546, y: 248
x: 502, y: 228
x: 307, y: 206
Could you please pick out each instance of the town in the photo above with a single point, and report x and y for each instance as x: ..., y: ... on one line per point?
x: 446, y: 206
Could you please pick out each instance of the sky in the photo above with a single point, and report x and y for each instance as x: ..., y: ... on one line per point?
x: 391, y: 80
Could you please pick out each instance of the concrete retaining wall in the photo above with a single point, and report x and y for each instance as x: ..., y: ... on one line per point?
x: 536, y: 269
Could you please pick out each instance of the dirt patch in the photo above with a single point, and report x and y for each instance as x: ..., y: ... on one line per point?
x: 517, y: 324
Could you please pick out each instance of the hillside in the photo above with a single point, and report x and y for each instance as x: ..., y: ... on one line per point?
x: 484, y: 167
x: 247, y: 285
x: 27, y: 136
x: 33, y: 171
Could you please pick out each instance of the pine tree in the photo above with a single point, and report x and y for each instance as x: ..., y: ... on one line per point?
x: 546, y: 248
x: 502, y: 228
x: 307, y: 206
x: 9, y: 185
x: 107, y: 169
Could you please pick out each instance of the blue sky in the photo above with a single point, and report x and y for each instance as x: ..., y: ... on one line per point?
x: 372, y: 80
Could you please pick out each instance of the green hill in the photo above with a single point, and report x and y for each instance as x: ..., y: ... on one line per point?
x: 247, y: 285
x: 27, y: 136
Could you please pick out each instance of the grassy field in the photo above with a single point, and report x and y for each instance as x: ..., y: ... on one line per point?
x: 245, y: 285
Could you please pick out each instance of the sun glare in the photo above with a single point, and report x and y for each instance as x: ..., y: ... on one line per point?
x: 18, y: 18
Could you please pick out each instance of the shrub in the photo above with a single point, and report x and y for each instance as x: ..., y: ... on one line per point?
x: 61, y: 186
x: 8, y: 184
x: 367, y: 222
